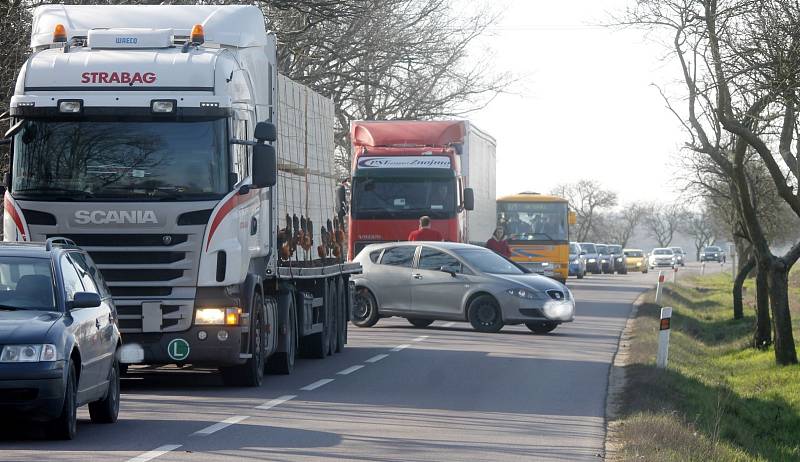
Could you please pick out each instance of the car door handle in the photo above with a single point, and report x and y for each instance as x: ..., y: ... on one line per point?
x: 97, y: 323
x: 417, y: 276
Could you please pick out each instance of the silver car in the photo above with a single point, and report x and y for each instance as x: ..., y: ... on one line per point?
x: 428, y: 281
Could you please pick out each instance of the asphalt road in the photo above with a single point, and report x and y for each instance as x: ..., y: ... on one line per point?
x: 396, y: 393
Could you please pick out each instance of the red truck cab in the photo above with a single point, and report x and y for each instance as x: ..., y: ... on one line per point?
x: 403, y: 170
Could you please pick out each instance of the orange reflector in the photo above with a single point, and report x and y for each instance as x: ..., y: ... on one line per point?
x: 664, y: 324
x: 198, y: 36
x: 232, y: 316
x: 59, y: 34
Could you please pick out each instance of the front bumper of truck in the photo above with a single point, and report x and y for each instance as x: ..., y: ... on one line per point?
x: 206, y: 347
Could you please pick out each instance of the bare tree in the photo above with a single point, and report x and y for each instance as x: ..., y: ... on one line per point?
x: 622, y: 224
x: 588, y: 199
x: 663, y: 221
x: 700, y: 227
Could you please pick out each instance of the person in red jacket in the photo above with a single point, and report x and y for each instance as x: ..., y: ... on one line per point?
x: 425, y: 233
x: 498, y: 244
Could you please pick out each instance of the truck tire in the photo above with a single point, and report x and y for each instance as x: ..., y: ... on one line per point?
x: 106, y: 410
x: 251, y: 373
x: 65, y: 426
x: 282, y: 362
x: 341, y: 313
x: 365, y: 311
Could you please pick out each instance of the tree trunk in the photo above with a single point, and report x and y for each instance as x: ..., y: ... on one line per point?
x: 762, y: 338
x: 744, y: 271
x: 778, y: 277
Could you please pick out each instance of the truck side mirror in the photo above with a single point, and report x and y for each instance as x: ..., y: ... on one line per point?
x: 265, y: 132
x: 469, y: 199
x: 265, y: 166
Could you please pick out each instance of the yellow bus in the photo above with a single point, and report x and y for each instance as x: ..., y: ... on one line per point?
x: 537, y: 231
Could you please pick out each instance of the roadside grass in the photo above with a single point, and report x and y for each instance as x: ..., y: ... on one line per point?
x: 718, y: 400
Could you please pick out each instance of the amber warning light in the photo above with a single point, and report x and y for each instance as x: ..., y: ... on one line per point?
x: 198, y: 36
x: 59, y: 34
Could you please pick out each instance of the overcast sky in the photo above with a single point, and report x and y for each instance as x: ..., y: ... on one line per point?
x: 585, y: 106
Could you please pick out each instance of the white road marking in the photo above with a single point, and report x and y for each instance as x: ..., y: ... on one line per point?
x: 276, y: 402
x: 420, y: 338
x: 449, y: 324
x: 401, y: 347
x: 317, y: 384
x: 376, y: 358
x: 219, y: 426
x: 159, y: 451
x: 350, y: 369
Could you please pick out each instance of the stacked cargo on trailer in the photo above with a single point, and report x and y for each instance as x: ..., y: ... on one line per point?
x: 148, y: 135
x: 403, y: 170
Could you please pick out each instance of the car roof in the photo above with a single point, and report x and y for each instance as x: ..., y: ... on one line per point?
x: 32, y: 249
x: 632, y: 250
x: 440, y: 244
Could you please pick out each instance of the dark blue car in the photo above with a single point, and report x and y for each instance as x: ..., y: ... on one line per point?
x: 58, y: 337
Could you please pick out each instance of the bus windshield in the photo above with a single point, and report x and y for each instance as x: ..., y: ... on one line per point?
x: 533, y: 221
x: 118, y: 160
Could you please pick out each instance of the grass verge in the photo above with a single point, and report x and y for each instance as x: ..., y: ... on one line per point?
x: 718, y: 400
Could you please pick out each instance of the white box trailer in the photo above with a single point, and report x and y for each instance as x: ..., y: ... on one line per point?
x: 479, y: 167
x: 148, y: 136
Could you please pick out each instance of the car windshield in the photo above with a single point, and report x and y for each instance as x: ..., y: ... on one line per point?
x: 601, y: 248
x: 26, y: 284
x: 633, y: 253
x: 381, y: 197
x: 588, y: 248
x: 677, y: 250
x: 712, y: 249
x: 117, y: 160
x: 533, y: 221
x: 662, y: 252
x: 614, y: 249
x: 487, y: 261
x: 574, y: 249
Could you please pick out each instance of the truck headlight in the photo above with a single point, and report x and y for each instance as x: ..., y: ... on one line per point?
x: 522, y: 293
x: 28, y: 353
x: 218, y: 316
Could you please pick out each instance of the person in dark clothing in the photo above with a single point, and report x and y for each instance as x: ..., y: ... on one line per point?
x: 425, y: 233
x: 498, y: 244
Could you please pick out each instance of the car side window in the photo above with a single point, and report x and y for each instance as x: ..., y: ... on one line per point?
x: 374, y: 256
x: 72, y: 280
x: 432, y: 259
x: 90, y: 276
x: 399, y: 256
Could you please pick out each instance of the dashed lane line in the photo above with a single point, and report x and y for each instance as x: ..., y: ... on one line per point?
x: 420, y: 338
x: 350, y: 369
x: 377, y: 358
x: 159, y: 451
x: 276, y: 402
x: 449, y: 324
x: 401, y: 347
x: 317, y: 384
x: 220, y: 425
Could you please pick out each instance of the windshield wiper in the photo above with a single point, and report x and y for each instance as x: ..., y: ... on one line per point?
x: 9, y: 308
x: 65, y: 191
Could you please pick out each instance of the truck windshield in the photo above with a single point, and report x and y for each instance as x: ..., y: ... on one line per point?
x: 120, y: 160
x: 403, y: 198
x: 534, y: 221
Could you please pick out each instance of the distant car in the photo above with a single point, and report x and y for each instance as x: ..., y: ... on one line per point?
x: 591, y: 256
x: 604, y: 257
x: 712, y: 253
x: 428, y: 281
x: 662, y: 257
x: 59, y: 337
x: 636, y: 260
x: 680, y: 256
x: 577, y: 262
x: 618, y: 259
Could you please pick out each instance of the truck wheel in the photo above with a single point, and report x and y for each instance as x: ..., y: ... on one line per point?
x: 65, y: 426
x: 417, y: 322
x: 317, y: 345
x: 484, y: 314
x: 580, y: 275
x: 251, y: 373
x: 341, y: 315
x: 365, y: 311
x: 107, y: 409
x: 282, y: 362
x: 542, y: 327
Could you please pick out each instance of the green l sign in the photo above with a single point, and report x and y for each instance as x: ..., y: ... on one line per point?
x: 178, y: 349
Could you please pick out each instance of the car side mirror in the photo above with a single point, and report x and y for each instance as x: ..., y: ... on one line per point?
x: 583, y: 252
x: 265, y: 166
x: 265, y: 132
x: 452, y: 270
x: 85, y: 300
x: 469, y: 199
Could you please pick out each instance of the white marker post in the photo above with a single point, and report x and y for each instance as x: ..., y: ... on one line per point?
x: 703, y: 269
x: 674, y: 274
x: 663, y: 338
x: 658, y: 287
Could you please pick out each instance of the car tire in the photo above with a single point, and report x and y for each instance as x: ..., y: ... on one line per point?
x: 65, y: 426
x: 251, y: 373
x: 282, y: 362
x: 644, y: 270
x: 541, y: 327
x: 484, y: 314
x: 580, y: 275
x: 365, y: 309
x: 106, y: 410
x: 624, y: 271
x: 418, y: 322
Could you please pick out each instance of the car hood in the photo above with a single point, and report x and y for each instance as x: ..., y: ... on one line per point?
x: 26, y: 326
x: 590, y: 255
x: 530, y: 280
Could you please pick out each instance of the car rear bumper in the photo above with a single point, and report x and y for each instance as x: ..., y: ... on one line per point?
x: 154, y: 348
x: 33, y: 391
